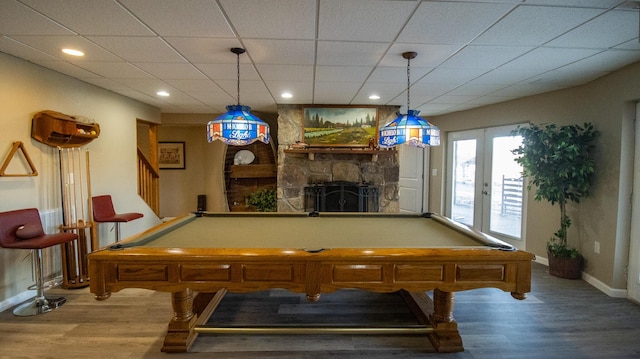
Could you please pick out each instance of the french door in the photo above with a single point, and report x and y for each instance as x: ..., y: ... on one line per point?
x: 485, y: 189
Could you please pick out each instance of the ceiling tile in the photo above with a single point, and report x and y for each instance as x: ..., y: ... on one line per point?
x: 138, y: 49
x: 350, y: 53
x: 281, y: 52
x: 195, y: 86
x: 450, y: 22
x: 503, y: 76
x: 53, y: 46
x: 398, y: 74
x: 534, y: 25
x: 605, y: 31
x: 171, y: 71
x: 17, y: 19
x: 285, y: 72
x: 18, y: 49
x: 196, y: 18
x: 302, y: 91
x: 387, y: 92
x: 115, y: 70
x: 546, y: 58
x: 67, y: 68
x: 356, y: 74
x: 334, y: 92
x: 363, y: 20
x: 484, y: 57
x: 598, y: 4
x: 229, y: 72
x: 274, y: 19
x: 608, y: 60
x: 92, y: 17
x: 201, y: 50
x: 470, y: 89
x: 428, y: 55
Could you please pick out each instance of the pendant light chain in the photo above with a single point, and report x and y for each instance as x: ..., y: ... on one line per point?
x: 408, y: 83
x: 238, y: 69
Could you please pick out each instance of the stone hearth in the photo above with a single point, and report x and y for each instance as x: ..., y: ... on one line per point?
x: 297, y: 170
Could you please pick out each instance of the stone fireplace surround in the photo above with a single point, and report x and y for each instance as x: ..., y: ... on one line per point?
x: 297, y: 171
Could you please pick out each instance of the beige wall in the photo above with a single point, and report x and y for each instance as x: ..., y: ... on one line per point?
x: 608, y: 103
x: 25, y: 89
x: 204, y: 172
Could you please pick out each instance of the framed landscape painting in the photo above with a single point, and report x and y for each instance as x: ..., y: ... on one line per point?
x: 351, y: 126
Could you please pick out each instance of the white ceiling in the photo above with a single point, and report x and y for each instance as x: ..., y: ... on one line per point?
x: 470, y: 53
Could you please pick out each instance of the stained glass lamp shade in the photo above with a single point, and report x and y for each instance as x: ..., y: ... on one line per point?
x: 409, y: 129
x: 238, y: 127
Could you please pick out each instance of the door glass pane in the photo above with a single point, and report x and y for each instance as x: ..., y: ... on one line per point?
x: 506, y: 188
x: 464, y: 181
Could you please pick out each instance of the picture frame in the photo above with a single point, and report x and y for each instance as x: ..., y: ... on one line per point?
x: 171, y: 156
x: 340, y: 126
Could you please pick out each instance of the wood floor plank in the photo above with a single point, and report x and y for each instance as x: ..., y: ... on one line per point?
x: 561, y: 319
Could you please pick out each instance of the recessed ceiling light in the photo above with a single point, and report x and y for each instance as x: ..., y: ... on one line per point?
x: 73, y: 52
x: 374, y: 97
x: 286, y: 95
x: 162, y: 93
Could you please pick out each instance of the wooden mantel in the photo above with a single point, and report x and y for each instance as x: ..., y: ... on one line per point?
x: 312, y: 151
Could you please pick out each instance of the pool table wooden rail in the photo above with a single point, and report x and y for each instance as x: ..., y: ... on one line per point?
x: 379, y: 270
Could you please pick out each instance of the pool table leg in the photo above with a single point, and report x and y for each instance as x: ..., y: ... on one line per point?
x: 438, y: 314
x: 446, y: 337
x: 179, y: 334
x: 189, y: 312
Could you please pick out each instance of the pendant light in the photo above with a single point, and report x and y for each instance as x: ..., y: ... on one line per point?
x: 238, y: 126
x: 409, y: 128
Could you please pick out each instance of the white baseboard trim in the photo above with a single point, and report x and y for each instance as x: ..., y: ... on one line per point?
x: 17, y: 299
x: 596, y: 283
x: 612, y: 292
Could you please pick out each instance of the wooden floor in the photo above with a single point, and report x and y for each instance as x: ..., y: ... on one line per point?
x: 560, y: 319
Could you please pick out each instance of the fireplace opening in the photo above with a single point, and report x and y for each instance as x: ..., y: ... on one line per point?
x: 341, y: 196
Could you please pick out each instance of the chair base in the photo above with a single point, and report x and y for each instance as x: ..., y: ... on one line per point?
x: 38, y: 306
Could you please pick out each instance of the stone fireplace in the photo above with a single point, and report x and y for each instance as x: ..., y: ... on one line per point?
x: 378, y: 171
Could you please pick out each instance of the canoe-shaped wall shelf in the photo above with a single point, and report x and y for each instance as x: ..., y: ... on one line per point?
x: 59, y: 130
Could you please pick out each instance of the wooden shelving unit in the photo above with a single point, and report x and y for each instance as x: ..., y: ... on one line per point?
x: 59, y: 130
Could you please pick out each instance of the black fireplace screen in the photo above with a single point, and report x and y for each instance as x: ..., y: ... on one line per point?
x: 341, y: 197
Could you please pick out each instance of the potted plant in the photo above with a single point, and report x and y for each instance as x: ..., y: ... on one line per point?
x: 265, y: 200
x: 558, y: 161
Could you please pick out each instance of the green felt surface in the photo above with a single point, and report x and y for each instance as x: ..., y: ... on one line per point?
x: 301, y: 231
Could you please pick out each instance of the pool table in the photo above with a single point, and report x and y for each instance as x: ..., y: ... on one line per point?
x: 201, y: 256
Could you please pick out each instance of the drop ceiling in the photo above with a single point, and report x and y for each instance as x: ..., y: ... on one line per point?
x: 470, y: 53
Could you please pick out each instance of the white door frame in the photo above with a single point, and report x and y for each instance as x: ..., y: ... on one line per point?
x: 482, y: 190
x: 633, y: 275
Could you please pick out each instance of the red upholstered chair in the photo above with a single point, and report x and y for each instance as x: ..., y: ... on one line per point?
x: 103, y: 211
x: 22, y: 229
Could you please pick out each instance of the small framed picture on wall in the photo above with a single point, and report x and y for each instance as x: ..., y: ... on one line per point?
x: 171, y: 155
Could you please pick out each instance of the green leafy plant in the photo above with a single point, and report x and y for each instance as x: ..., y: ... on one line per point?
x: 558, y: 161
x: 264, y: 199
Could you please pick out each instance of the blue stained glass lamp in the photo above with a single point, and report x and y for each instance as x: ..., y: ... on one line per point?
x: 238, y: 126
x: 409, y: 129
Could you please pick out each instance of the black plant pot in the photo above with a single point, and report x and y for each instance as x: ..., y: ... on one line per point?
x: 563, y: 267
